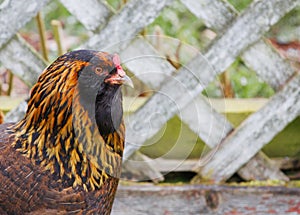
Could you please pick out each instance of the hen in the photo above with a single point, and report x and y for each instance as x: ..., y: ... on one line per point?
x: 65, y: 156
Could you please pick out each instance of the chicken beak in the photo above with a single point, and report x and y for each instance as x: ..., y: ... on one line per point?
x: 127, y: 81
x: 119, y: 79
x: 120, y: 76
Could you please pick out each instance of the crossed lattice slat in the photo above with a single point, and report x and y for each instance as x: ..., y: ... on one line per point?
x: 125, y: 25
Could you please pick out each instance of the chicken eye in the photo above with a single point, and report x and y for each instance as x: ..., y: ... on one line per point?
x: 98, y: 70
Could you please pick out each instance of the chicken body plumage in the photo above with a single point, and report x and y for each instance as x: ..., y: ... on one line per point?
x: 1, y: 117
x: 65, y: 156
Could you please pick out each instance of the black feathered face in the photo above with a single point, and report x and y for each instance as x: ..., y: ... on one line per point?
x: 103, y: 70
x: 99, y: 84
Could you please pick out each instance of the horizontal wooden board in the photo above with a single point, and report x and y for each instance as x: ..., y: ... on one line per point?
x: 206, y: 199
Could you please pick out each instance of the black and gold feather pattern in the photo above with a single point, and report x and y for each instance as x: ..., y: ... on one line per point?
x: 57, y: 126
x: 68, y: 142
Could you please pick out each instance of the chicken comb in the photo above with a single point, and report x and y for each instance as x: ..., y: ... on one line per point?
x: 117, y: 62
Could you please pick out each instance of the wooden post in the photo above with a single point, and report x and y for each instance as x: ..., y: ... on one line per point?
x: 42, y: 31
x: 57, y: 29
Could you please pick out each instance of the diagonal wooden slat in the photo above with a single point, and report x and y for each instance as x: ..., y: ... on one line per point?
x: 21, y: 58
x: 259, y: 167
x: 140, y: 167
x: 263, y: 168
x: 146, y: 63
x: 265, y: 61
x: 17, y: 113
x: 119, y: 31
x: 139, y: 54
x: 220, y: 55
x: 15, y: 53
x: 14, y: 14
x: 91, y: 13
x: 247, y: 140
x: 216, y: 14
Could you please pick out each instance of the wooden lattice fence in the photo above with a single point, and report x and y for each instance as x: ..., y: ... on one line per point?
x: 241, y: 35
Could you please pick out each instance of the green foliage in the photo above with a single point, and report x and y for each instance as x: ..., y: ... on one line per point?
x: 116, y: 4
x: 240, y: 5
x: 178, y: 22
x: 246, y: 84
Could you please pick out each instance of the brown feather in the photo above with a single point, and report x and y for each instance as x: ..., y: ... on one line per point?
x: 1, y: 117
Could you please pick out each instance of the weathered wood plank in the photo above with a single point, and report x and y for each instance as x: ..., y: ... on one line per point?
x: 256, y: 131
x: 146, y: 63
x: 287, y: 163
x: 125, y: 25
x: 91, y: 13
x: 188, y: 165
x: 167, y: 165
x: 210, y: 200
x: 139, y: 166
x: 215, y: 14
x: 261, y: 168
x: 191, y: 80
x: 268, y: 64
x: 14, y: 15
x: 213, y: 128
x: 22, y: 60
x: 265, y: 61
x: 246, y: 30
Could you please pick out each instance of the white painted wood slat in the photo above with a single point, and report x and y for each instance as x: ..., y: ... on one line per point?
x: 256, y: 131
x: 14, y: 14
